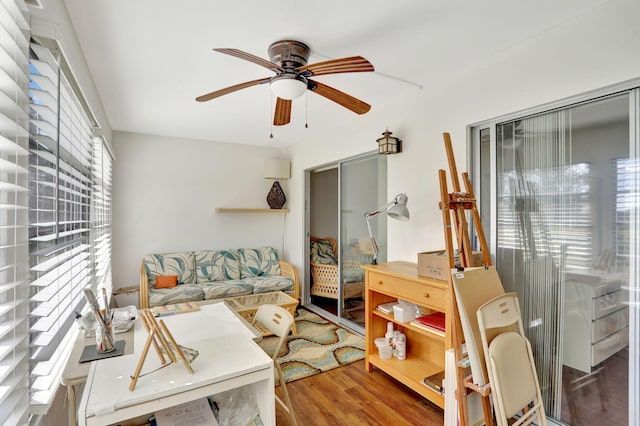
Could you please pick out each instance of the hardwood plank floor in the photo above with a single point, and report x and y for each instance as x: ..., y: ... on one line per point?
x: 349, y: 395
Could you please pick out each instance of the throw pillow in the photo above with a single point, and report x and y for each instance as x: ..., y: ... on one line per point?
x: 322, y: 253
x: 166, y: 281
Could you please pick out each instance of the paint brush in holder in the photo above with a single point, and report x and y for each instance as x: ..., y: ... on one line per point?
x: 105, y: 341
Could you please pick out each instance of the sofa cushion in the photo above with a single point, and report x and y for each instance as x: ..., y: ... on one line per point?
x: 182, y: 264
x: 322, y: 253
x: 217, y: 265
x: 266, y: 284
x: 221, y: 289
x: 259, y: 262
x: 178, y: 294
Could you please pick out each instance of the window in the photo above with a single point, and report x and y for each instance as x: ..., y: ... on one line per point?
x: 544, y: 208
x: 101, y: 215
x: 14, y: 267
x: 626, y: 199
x: 67, y: 172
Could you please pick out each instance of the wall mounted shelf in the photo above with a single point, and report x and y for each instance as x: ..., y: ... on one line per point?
x: 232, y: 210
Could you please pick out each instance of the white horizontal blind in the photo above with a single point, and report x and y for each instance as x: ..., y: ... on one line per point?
x: 626, y: 200
x: 544, y: 207
x: 59, y: 220
x: 14, y: 201
x: 101, y: 215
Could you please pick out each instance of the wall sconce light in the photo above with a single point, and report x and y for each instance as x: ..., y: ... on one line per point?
x: 388, y: 144
x: 276, y: 168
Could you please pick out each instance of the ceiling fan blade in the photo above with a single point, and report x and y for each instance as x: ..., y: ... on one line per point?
x: 334, y: 66
x: 231, y: 89
x: 251, y: 58
x: 347, y: 101
x: 282, y: 115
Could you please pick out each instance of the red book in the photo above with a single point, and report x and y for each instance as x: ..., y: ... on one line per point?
x: 435, y: 320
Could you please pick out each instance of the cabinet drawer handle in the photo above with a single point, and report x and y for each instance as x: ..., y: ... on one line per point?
x: 380, y: 282
x: 426, y: 295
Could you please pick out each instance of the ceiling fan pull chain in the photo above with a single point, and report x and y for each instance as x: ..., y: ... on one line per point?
x: 306, y: 110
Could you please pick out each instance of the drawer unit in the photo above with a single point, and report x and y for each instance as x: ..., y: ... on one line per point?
x: 607, y: 303
x: 418, y: 293
x: 388, y: 282
x: 608, y: 346
x: 608, y: 325
x: 596, y: 319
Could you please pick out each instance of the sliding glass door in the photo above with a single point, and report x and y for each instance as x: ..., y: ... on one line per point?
x: 339, y: 196
x: 559, y: 199
x: 363, y: 187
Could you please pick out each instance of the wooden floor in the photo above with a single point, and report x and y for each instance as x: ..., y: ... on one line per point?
x: 349, y: 395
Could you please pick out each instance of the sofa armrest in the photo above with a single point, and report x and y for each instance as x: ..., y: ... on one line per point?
x: 144, y: 287
x: 290, y: 271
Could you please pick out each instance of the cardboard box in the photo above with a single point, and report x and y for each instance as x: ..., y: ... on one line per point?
x: 435, y: 264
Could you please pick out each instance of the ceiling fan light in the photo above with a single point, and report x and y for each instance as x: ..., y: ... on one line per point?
x: 288, y: 86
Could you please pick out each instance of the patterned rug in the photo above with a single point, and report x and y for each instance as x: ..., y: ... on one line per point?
x: 319, y: 346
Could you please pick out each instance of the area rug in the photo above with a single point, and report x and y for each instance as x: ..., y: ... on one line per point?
x: 319, y: 346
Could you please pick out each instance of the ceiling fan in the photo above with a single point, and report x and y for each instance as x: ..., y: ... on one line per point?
x: 293, y: 77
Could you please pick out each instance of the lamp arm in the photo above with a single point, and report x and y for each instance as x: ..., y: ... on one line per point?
x: 379, y: 210
x: 374, y: 243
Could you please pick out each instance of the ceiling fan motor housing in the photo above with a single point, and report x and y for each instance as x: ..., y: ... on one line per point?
x: 289, y: 53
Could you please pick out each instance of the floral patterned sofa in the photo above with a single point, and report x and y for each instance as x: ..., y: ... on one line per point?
x: 214, y: 274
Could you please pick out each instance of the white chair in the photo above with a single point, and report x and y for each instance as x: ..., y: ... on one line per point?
x: 510, y: 364
x: 279, y: 321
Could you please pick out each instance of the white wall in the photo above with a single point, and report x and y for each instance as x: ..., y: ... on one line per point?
x: 166, y: 190
x: 592, y: 51
x: 324, y: 204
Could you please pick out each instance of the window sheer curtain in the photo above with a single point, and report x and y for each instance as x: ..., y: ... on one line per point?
x: 14, y: 262
x: 543, y: 220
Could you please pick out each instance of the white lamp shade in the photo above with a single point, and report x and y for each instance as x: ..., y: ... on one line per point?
x: 277, y: 168
x: 288, y: 87
x: 399, y: 210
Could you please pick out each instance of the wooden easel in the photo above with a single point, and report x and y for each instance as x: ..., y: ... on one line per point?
x: 455, y: 205
x: 163, y: 342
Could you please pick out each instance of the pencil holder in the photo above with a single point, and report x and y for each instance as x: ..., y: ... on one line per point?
x: 105, y: 338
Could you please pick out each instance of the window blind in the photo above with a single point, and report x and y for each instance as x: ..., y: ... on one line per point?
x: 101, y: 215
x: 60, y: 183
x: 626, y: 199
x: 544, y: 207
x: 14, y: 201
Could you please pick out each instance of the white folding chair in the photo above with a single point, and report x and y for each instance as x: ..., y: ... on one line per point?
x: 279, y: 321
x: 510, y: 364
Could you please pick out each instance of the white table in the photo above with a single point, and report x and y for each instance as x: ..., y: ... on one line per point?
x: 228, y: 358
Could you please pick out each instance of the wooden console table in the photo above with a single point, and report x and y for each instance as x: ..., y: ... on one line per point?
x: 388, y: 282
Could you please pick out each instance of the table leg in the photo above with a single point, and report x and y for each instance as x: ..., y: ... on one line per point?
x: 71, y: 400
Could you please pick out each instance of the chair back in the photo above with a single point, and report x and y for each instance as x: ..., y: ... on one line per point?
x: 510, y: 363
x: 277, y: 320
x: 324, y: 251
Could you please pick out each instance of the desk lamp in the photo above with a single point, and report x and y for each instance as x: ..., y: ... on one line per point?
x: 397, y: 209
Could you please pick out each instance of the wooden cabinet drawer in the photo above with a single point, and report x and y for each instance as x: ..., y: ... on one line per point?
x: 421, y: 294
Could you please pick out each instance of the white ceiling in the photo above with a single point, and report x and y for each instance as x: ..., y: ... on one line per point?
x: 150, y: 59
